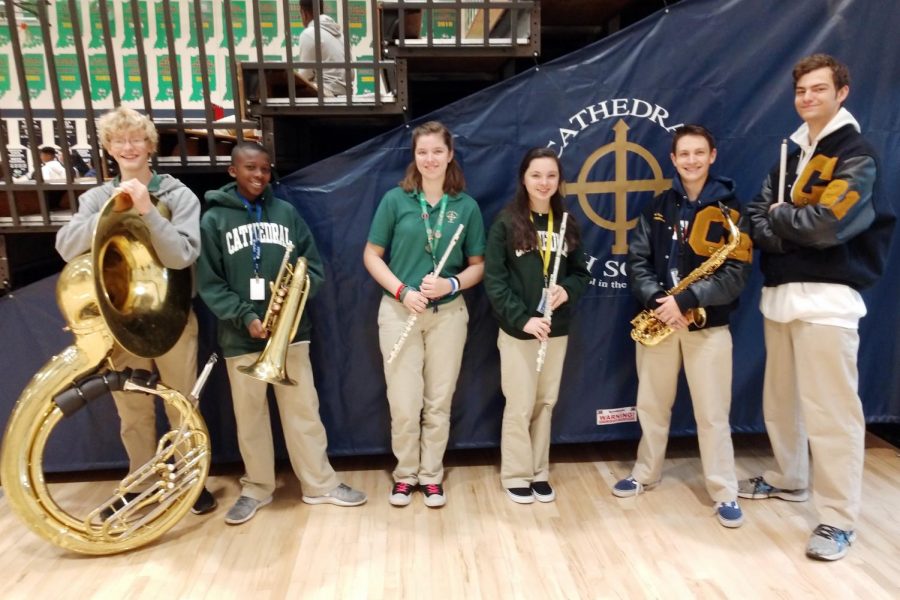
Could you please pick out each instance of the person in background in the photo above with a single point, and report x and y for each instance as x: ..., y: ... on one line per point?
x: 331, y: 47
x: 51, y: 168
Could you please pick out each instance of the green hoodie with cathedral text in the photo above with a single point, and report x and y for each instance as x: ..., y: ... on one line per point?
x: 229, y: 230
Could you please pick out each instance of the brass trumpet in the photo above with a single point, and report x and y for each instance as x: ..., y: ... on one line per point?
x: 119, y: 292
x: 289, y: 292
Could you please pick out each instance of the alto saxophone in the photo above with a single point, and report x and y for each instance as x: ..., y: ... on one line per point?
x: 648, y: 329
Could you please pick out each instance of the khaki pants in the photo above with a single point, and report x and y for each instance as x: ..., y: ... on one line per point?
x: 706, y: 355
x: 530, y: 398
x: 137, y: 411
x: 304, y: 434
x: 810, y: 402
x: 420, y: 385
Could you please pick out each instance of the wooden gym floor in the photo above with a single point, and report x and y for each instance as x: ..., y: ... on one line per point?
x: 665, y: 543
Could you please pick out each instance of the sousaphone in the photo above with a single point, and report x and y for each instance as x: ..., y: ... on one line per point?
x: 118, y: 293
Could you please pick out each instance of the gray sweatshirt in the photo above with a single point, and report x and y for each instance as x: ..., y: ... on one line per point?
x: 332, y: 51
x: 177, y: 242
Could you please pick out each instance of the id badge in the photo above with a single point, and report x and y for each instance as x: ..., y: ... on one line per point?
x: 257, y: 288
x: 542, y: 305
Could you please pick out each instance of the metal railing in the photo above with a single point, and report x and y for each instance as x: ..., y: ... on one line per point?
x: 215, y: 89
x: 458, y: 28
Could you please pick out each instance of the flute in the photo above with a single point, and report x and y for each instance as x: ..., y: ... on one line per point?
x: 548, y: 314
x: 782, y: 170
x: 411, y: 320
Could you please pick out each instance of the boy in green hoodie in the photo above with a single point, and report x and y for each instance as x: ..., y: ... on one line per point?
x: 245, y: 233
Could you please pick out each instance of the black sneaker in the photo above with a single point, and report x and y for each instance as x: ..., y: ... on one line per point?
x: 521, y: 495
x: 205, y: 503
x: 434, y: 495
x: 542, y: 491
x: 119, y: 504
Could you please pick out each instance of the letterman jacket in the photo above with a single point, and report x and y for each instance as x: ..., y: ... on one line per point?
x: 674, y: 233
x: 833, y: 227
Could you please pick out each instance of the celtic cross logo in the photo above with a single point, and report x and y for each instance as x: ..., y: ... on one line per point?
x: 620, y: 186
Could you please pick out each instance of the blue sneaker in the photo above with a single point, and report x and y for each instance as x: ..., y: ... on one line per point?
x: 729, y: 514
x: 757, y: 487
x: 628, y: 487
x: 829, y: 543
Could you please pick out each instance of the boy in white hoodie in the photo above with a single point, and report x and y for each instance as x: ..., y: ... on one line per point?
x: 331, y: 45
x: 824, y: 243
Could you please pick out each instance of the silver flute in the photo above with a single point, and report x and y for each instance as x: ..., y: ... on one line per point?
x: 548, y: 314
x: 782, y: 170
x: 411, y: 321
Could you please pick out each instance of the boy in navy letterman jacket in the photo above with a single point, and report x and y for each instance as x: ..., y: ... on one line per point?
x: 678, y: 232
x: 824, y: 243
x: 245, y: 233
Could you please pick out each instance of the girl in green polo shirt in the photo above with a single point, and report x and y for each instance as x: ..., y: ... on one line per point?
x: 416, y: 222
x: 521, y: 256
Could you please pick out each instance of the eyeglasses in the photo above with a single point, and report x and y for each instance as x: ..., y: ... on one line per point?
x: 135, y: 143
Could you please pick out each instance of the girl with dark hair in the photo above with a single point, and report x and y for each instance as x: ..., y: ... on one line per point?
x: 521, y: 254
x: 417, y: 221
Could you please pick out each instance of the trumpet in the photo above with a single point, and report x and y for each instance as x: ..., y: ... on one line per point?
x: 548, y: 315
x: 289, y: 293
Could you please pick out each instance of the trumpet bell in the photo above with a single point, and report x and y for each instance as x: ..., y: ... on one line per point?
x: 144, y: 304
x: 269, y: 369
x: 270, y: 365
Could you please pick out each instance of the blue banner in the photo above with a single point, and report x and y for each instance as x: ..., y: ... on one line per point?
x: 609, y: 111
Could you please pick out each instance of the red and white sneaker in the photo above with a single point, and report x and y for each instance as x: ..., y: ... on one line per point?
x: 401, y: 493
x: 434, y: 495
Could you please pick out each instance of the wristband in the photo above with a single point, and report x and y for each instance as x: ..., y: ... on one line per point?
x: 399, y: 291
x: 403, y: 293
x: 454, y: 285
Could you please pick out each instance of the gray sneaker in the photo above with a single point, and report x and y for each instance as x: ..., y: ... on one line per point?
x: 829, y: 543
x: 244, y: 509
x: 757, y: 488
x: 342, y: 495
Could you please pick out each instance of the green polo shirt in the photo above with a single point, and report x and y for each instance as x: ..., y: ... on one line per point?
x: 398, y: 226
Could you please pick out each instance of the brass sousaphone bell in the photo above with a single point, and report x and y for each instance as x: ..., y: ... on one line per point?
x: 144, y: 304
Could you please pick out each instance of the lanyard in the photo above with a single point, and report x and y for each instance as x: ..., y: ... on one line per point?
x: 257, y: 245
x: 548, y: 246
x: 433, y: 235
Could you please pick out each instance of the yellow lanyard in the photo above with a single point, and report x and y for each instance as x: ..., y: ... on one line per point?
x: 548, y: 245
